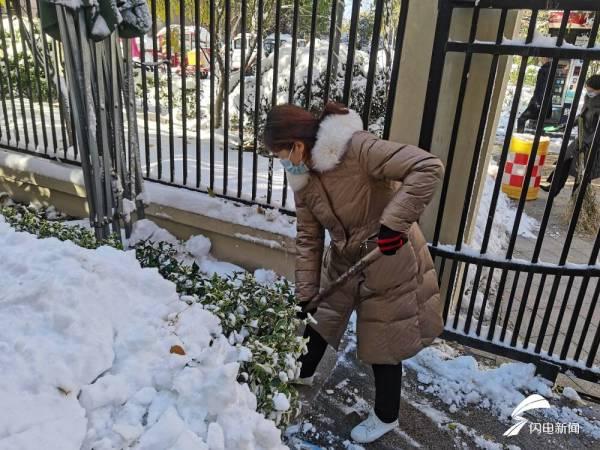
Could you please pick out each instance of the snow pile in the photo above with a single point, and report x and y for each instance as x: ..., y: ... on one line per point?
x: 459, y: 381
x: 504, y: 218
x: 265, y: 276
x: 99, y: 353
x: 195, y: 249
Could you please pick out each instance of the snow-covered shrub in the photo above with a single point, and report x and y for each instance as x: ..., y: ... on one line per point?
x: 32, y: 221
x: 318, y: 84
x: 260, y: 319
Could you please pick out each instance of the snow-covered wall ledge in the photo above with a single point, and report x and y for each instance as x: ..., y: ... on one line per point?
x: 248, y: 236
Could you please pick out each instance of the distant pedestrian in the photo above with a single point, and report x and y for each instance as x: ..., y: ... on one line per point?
x: 360, y: 187
x: 578, y: 151
x: 532, y: 111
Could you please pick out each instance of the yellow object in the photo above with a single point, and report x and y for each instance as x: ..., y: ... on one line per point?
x: 191, y: 58
x: 516, y: 166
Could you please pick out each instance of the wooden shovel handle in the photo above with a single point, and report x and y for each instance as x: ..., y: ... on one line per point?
x: 356, y: 269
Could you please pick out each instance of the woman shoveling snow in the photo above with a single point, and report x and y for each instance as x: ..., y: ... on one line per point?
x: 359, y: 188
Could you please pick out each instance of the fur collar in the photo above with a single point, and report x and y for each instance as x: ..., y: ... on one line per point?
x: 334, y: 134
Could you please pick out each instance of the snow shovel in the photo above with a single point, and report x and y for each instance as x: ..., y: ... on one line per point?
x: 357, y: 268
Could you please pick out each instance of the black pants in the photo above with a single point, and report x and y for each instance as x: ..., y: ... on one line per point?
x: 561, y: 173
x: 531, y: 113
x: 388, y: 378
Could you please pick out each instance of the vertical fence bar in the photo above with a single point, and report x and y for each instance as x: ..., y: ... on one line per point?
x: 583, y: 288
x: 170, y: 95
x: 226, y: 95
x: 28, y: 81
x: 18, y: 74
x: 534, y: 310
x: 311, y: 54
x: 399, y: 45
x: 242, y: 102
x: 561, y: 314
x: 73, y: 129
x: 213, y: 52
x: 157, y: 106
x: 145, y: 104
x: 3, y: 96
x: 511, y: 299
x: 460, y: 296
x: 486, y: 295
x: 37, y: 73
x: 436, y: 71
x: 62, y: 107
x: 291, y: 92
x: 10, y: 87
x: 257, y: 99
x: 366, y: 112
x: 351, y: 51
x: 274, y: 93
x: 588, y: 321
x: 295, y: 16
x: 183, y: 70
x: 330, y: 48
x: 594, y: 347
x: 198, y: 92
x: 48, y: 66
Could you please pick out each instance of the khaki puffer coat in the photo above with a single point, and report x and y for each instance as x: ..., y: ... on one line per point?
x: 358, y: 182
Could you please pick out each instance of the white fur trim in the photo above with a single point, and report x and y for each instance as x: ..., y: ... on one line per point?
x: 297, y: 182
x: 332, y: 139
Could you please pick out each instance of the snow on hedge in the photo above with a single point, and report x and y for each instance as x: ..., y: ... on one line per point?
x: 91, y: 357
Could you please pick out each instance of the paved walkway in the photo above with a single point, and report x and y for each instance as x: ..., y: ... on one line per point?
x: 344, y: 392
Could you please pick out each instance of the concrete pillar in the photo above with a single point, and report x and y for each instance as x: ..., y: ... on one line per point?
x: 410, y: 98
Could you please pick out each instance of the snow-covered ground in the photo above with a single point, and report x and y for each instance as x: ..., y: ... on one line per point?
x: 91, y: 356
x: 461, y: 381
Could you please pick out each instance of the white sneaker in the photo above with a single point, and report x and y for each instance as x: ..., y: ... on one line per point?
x: 308, y: 381
x: 371, y: 429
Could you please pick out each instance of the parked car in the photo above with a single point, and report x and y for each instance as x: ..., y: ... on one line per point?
x: 284, y: 39
x: 236, y: 51
x: 177, y: 61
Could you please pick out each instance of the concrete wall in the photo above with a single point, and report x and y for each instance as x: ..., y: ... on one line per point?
x: 238, y: 244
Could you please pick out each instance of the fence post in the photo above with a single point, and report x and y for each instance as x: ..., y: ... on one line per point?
x: 430, y: 124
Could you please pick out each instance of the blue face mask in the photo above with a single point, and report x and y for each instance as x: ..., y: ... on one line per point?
x: 293, y: 169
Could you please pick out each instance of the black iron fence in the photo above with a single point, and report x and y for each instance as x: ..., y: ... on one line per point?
x: 206, y: 76
x: 211, y: 69
x: 527, y: 299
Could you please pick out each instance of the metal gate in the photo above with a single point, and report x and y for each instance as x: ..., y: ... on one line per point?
x: 536, y: 299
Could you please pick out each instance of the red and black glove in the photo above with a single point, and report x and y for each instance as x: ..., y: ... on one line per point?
x: 389, y: 241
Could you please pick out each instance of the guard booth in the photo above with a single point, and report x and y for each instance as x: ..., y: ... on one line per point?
x: 568, y: 72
